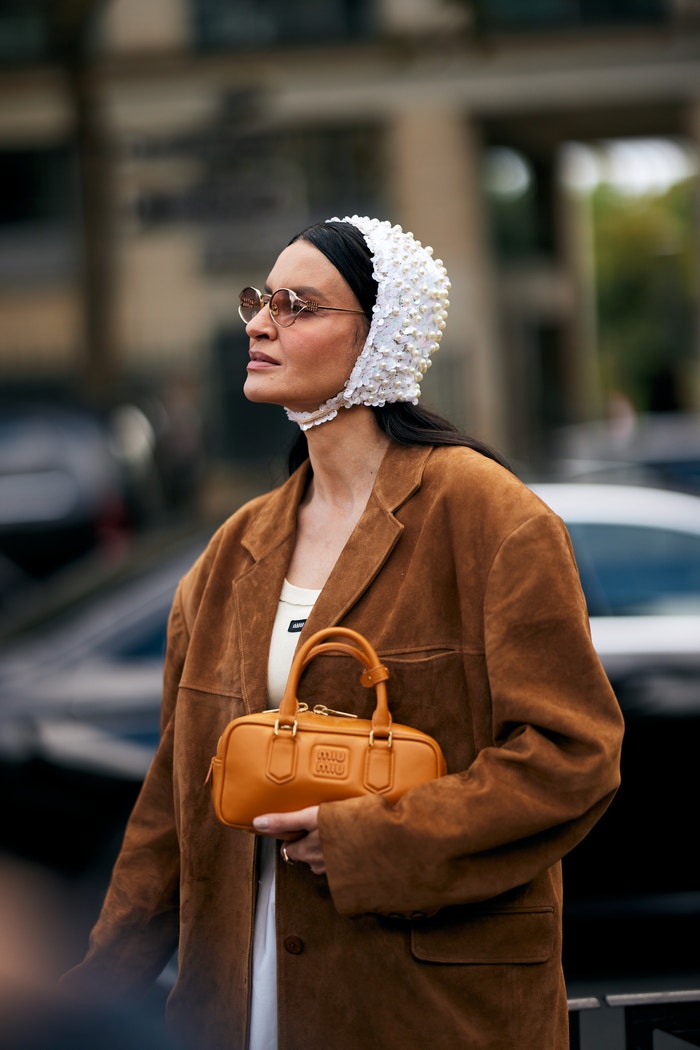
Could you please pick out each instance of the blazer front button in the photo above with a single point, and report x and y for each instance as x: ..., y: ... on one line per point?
x: 294, y: 945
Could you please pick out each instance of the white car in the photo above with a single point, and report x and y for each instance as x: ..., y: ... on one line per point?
x: 638, y: 552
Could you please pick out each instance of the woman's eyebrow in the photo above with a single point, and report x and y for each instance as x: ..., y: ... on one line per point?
x: 304, y: 292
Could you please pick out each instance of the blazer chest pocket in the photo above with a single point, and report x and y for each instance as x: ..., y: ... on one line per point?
x: 500, y: 937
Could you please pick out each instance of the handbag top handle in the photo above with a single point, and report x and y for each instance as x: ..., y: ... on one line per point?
x: 374, y: 675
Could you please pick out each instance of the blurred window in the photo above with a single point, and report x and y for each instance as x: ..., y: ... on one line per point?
x: 516, y: 212
x: 631, y: 570
x: 247, y: 184
x: 35, y: 186
x: 552, y: 14
x: 262, y: 23
x: 38, y: 209
x: 23, y: 32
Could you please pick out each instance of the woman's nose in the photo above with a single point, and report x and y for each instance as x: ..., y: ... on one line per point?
x: 262, y: 324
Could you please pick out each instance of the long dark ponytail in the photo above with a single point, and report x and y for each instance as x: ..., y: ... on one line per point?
x: 408, y: 424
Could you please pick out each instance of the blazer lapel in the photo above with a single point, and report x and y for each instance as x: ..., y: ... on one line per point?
x: 373, y: 538
x: 270, y: 541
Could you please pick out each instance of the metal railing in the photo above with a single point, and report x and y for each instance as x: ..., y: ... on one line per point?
x: 675, y: 1013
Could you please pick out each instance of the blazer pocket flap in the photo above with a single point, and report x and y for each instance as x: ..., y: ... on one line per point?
x: 505, y: 936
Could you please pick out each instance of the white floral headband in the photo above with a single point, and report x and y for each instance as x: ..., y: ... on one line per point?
x: 408, y: 319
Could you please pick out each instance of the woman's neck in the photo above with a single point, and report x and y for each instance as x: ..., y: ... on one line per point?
x: 345, y: 456
x: 345, y: 460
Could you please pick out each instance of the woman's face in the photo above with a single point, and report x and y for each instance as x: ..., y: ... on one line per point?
x: 302, y: 366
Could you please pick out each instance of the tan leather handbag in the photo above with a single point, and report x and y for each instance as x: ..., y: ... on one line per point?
x: 279, y: 761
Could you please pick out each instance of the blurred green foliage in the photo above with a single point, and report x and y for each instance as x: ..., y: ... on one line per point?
x: 646, y: 276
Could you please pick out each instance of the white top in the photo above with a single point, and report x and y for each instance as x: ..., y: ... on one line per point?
x: 293, y: 610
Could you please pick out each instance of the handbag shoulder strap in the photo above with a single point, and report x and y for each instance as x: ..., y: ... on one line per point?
x: 374, y: 674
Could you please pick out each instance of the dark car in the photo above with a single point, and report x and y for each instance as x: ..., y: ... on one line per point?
x: 75, y: 482
x: 657, y: 449
x: 61, y: 488
x: 80, y: 693
x: 638, y: 551
x: 80, y: 699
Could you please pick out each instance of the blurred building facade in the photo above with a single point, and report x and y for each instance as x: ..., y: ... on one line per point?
x: 154, y: 157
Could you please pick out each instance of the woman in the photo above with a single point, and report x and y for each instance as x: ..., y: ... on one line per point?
x: 435, y: 922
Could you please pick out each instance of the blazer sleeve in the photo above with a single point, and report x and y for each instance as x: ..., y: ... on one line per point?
x: 549, y: 772
x: 137, y: 929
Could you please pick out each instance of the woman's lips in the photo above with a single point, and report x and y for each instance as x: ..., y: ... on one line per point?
x: 260, y: 360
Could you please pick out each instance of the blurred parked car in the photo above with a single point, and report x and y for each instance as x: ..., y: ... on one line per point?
x: 79, y: 716
x: 75, y: 483
x: 658, y: 449
x: 638, y: 551
x: 80, y: 692
x: 61, y: 489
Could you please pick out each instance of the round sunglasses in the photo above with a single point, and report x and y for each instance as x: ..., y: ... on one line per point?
x: 285, y: 306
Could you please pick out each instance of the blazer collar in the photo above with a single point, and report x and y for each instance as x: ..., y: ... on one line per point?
x: 270, y: 541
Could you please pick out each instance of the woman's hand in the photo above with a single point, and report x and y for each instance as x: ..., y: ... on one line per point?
x: 300, y: 832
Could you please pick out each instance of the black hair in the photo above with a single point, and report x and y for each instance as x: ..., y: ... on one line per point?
x: 408, y: 424
x: 345, y: 247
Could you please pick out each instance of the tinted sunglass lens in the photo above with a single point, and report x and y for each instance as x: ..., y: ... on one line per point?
x: 284, y: 305
x: 282, y: 308
x: 249, y: 304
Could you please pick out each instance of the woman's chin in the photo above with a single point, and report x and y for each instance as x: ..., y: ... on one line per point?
x: 256, y: 392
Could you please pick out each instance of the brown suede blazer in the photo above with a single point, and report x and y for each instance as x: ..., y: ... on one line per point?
x: 439, y: 922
